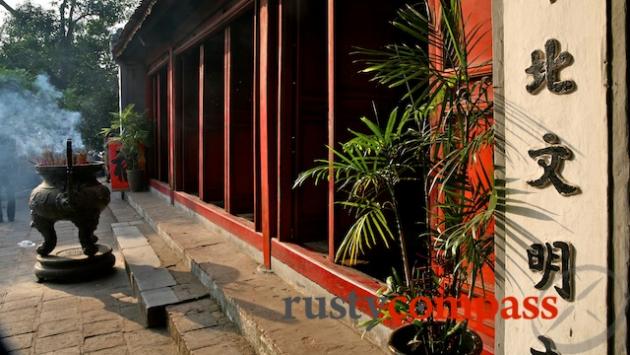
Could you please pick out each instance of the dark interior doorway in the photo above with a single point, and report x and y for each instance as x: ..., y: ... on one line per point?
x: 189, y: 118
x: 213, y: 117
x: 241, y: 116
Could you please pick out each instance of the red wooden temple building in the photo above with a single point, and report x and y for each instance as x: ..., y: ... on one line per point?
x: 243, y: 96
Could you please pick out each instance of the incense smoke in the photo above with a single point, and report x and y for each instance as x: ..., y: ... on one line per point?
x: 34, y: 119
x: 31, y: 122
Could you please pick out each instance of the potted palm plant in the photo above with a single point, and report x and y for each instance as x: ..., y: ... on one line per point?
x: 132, y: 130
x: 439, y: 138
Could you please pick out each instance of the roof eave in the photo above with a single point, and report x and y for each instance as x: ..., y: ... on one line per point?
x: 132, y: 27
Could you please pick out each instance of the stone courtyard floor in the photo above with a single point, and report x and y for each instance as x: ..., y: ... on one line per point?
x: 97, y: 317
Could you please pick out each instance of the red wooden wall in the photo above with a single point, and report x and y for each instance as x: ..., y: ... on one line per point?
x: 249, y: 101
x: 477, y: 17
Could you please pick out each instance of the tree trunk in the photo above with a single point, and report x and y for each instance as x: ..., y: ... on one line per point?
x: 66, y: 39
x: 8, y: 8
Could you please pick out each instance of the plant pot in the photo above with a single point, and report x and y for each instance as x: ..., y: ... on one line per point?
x: 136, y: 180
x: 398, y: 342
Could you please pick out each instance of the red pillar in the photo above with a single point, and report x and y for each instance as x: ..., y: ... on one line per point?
x: 202, y: 145
x: 227, y: 127
x: 331, y: 127
x: 171, y: 123
x: 263, y: 91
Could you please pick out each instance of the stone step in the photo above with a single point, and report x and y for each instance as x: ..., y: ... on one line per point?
x: 194, y: 321
x: 251, y: 298
x: 199, y: 327
x: 151, y: 284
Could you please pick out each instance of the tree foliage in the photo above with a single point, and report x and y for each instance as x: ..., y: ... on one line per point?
x: 71, y: 44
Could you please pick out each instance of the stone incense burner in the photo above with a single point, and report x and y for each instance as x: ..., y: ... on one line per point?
x: 70, y: 193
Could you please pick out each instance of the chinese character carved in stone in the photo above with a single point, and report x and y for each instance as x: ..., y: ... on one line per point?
x: 550, y: 347
x: 552, y: 161
x: 546, y: 67
x: 544, y: 258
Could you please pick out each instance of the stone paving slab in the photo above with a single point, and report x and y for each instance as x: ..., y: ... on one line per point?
x: 153, y: 303
x: 126, y: 224
x: 97, y: 317
x: 253, y: 300
x: 129, y: 236
x: 159, y: 297
x: 142, y: 256
x: 200, y: 327
x: 147, y: 279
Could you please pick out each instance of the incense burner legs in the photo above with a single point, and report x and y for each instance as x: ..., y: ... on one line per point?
x: 46, y: 228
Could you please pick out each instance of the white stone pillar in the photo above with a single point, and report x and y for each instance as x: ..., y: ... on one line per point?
x: 590, y: 120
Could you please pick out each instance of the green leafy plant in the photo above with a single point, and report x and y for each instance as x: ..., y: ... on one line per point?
x: 447, y: 131
x: 133, y: 131
x: 369, y: 168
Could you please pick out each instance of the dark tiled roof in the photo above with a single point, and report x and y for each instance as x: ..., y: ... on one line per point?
x: 133, y: 25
